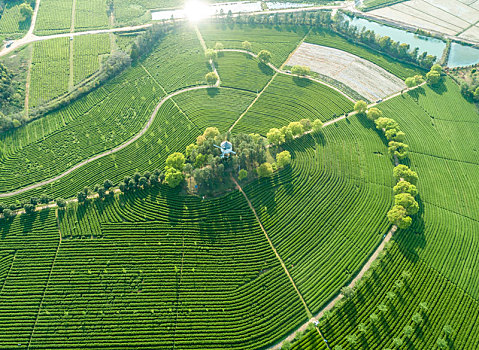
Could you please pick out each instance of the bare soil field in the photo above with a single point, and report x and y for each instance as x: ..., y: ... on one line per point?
x: 453, y: 17
x: 366, y: 78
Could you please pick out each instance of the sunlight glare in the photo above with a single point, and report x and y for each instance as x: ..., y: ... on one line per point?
x: 196, y: 10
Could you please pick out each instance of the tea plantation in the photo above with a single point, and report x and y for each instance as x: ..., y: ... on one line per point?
x: 176, y: 186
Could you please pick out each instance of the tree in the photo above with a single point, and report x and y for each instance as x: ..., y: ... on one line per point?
x: 374, y: 318
x: 211, y: 54
x: 306, y: 123
x: 264, y: 56
x: 173, y: 177
x: 397, y: 216
x: 386, y: 124
x: 8, y: 213
x: 287, y: 133
x: 211, y: 78
x: 419, y: 79
x: 175, y: 160
x: 398, y: 149
x: 26, y: 11
x: 296, y: 128
x: 398, y: 342
x: 408, y: 331
x: 417, y: 318
x: 2, y: 207
x: 246, y: 45
x: 317, y: 126
x: 408, y: 202
x: 81, y: 197
x: 61, y: 203
x: 433, y: 77
x: 442, y: 344
x: 362, y: 328
x: 383, y: 308
x: 44, y: 199
x: 265, y: 170
x: 403, y: 172
x: 410, y: 82
x: 283, y: 159
x: 107, y: 184
x: 275, y: 136
x: 360, y: 107
x: 448, y: 330
x: 300, y: 70
x: 243, y: 174
x: 423, y: 306
x: 395, y: 135
x: 219, y: 46
x: 348, y: 292
x: 143, y: 182
x: 374, y: 113
x: 190, y: 148
x: 436, y: 68
x: 352, y: 339
x: 211, y: 132
x: 29, y: 208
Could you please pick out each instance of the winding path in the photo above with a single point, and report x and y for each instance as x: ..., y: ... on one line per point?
x: 113, y: 150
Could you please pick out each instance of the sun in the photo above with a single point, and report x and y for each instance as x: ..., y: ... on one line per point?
x: 196, y: 10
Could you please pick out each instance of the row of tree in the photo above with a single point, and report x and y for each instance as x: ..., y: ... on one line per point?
x: 287, y: 133
x: 340, y: 24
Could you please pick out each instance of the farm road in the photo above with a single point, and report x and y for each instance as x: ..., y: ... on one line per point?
x: 30, y: 37
x: 147, y: 126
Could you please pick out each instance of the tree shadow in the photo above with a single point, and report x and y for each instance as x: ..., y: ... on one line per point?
x: 265, y: 69
x: 302, y: 81
x: 212, y: 91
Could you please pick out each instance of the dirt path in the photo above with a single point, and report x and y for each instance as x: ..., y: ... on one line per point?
x: 113, y: 150
x: 280, y: 71
x: 272, y: 246
x: 72, y: 30
x: 30, y: 37
x: 253, y: 102
x: 203, y: 45
x: 145, y: 129
x: 27, y: 84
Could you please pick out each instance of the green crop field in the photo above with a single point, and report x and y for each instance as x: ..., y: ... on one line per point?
x: 280, y: 40
x: 11, y: 20
x: 87, y: 55
x: 151, y: 206
x: 91, y: 14
x: 331, y: 39
x: 54, y: 16
x: 50, y: 70
x: 289, y: 99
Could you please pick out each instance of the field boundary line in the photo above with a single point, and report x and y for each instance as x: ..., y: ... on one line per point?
x: 278, y: 70
x: 44, y: 292
x: 111, y: 151
x: 296, y: 48
x: 8, y: 273
x: 72, y: 30
x: 166, y: 93
x: 28, y: 82
x: 252, y: 102
x: 203, y: 45
x: 308, y: 312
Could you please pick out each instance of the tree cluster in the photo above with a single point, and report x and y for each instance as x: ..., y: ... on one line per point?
x: 434, y: 76
x: 202, y: 164
x: 405, y: 191
x: 396, y: 146
x: 340, y: 24
x: 147, y: 41
x: 470, y: 90
x: 414, y: 81
x: 300, y: 70
x: 287, y: 133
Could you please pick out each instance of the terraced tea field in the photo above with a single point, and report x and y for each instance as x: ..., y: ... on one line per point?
x: 287, y: 242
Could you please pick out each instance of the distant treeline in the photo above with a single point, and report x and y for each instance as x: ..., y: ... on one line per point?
x: 113, y: 65
x: 340, y: 24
